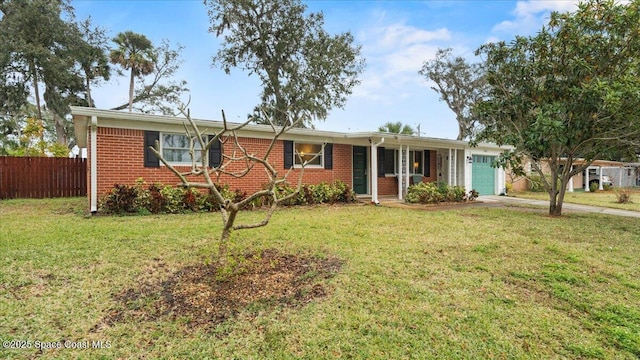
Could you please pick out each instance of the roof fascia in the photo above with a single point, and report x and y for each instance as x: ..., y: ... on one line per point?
x: 137, y: 121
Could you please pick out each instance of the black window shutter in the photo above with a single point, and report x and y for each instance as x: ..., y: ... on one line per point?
x: 427, y: 163
x: 215, y: 153
x: 288, y: 154
x: 380, y: 162
x: 150, y: 138
x: 328, y: 156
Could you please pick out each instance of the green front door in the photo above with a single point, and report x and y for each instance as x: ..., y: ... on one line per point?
x: 483, y: 176
x: 360, y: 169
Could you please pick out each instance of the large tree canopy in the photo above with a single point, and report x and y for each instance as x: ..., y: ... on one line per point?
x: 305, y: 72
x: 134, y: 52
x: 571, y: 91
x: 49, y: 58
x: 156, y: 91
x: 38, y: 41
x: 92, y: 57
x: 460, y: 85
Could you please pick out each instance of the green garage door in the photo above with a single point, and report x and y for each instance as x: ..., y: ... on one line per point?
x: 483, y: 176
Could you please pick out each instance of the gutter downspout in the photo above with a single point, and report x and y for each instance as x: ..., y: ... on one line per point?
x: 374, y: 171
x: 94, y: 164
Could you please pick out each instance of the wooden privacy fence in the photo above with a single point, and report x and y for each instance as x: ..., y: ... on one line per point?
x: 42, y: 177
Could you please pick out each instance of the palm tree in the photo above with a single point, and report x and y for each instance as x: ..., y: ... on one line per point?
x: 136, y: 53
x: 397, y: 128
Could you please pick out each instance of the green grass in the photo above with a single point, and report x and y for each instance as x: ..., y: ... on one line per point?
x: 471, y: 283
x: 599, y: 198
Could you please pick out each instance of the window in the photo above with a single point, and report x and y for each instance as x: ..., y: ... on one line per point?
x: 175, y: 149
x: 307, y: 153
x: 390, y: 161
x: 416, y: 164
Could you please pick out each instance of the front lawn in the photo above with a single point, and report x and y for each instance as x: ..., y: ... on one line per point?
x: 471, y: 283
x: 599, y: 198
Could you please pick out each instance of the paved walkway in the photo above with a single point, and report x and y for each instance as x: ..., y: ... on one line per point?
x: 506, y: 200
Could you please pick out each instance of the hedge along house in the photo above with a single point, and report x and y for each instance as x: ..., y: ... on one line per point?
x: 373, y: 164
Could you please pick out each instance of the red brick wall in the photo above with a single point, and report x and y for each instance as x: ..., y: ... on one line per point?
x: 121, y: 161
x: 389, y: 185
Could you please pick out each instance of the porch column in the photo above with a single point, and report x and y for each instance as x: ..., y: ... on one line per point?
x: 406, y: 169
x: 586, y: 180
x: 620, y: 177
x: 400, y: 173
x: 374, y: 171
x: 571, y: 181
x: 454, y: 167
x: 600, y: 178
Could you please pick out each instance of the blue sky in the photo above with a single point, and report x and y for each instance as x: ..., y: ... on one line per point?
x: 396, y: 38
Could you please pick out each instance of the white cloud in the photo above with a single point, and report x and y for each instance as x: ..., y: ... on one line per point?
x: 399, y: 35
x: 395, y: 54
x: 530, y: 15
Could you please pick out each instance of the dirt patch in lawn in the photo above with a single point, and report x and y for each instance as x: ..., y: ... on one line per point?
x: 206, y: 295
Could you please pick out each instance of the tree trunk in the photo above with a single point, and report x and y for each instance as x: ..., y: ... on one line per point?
x: 34, y: 75
x: 61, y: 136
x: 560, y: 199
x: 131, y: 90
x: 555, y: 206
x: 461, y: 130
x: 232, y: 209
x: 89, y: 100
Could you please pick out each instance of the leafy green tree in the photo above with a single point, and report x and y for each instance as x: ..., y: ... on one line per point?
x: 571, y: 91
x: 33, y: 142
x: 159, y: 92
x: 134, y: 52
x: 92, y: 57
x: 459, y: 84
x: 397, y: 128
x: 38, y: 48
x: 31, y: 136
x: 305, y: 72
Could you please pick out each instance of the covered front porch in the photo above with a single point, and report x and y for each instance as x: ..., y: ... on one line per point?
x: 387, y: 164
x: 620, y: 174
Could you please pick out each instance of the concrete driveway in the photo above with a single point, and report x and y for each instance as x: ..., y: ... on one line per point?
x: 507, y: 200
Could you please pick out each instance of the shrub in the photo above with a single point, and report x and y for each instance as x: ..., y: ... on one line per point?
x: 508, y: 187
x: 535, y: 182
x: 158, y: 198
x: 174, y: 199
x: 208, y: 202
x: 537, y: 185
x: 593, y: 187
x: 122, y: 199
x: 322, y: 193
x: 623, y: 196
x: 156, y: 201
x: 430, y: 193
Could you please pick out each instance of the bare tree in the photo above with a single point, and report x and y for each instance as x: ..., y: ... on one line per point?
x: 236, y: 162
x: 460, y: 85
